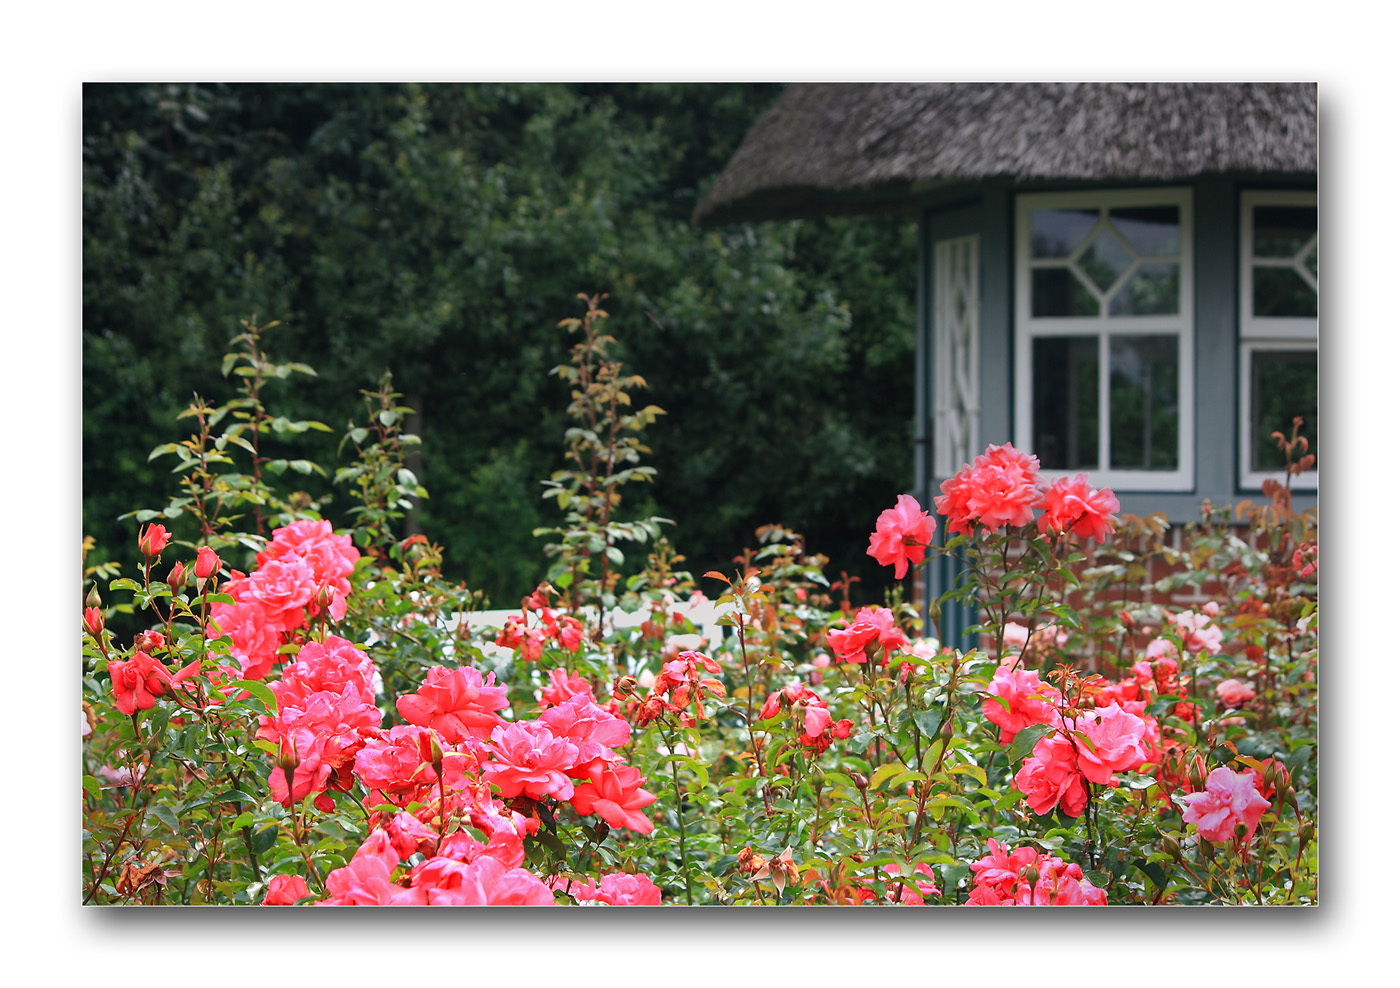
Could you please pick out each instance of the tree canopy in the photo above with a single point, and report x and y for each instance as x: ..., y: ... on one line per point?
x: 441, y: 232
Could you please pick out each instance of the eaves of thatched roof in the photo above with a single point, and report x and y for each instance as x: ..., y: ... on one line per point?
x: 826, y: 148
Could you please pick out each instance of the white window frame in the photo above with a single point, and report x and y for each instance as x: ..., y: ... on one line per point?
x: 1181, y: 325
x: 1266, y: 333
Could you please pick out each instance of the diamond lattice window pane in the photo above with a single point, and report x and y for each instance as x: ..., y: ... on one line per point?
x: 1153, y: 231
x: 1153, y: 290
x: 1283, y: 231
x: 1057, y: 292
x: 1105, y: 261
x: 1057, y: 232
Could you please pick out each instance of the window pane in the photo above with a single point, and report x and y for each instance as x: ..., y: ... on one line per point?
x: 1282, y: 384
x: 1154, y: 231
x: 1282, y: 231
x: 1057, y: 292
x: 1142, y: 400
x: 1153, y: 290
x: 1105, y: 260
x: 1282, y: 292
x: 1057, y: 232
x: 1065, y: 401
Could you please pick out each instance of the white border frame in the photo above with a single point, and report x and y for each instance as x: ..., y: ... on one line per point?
x: 1181, y: 325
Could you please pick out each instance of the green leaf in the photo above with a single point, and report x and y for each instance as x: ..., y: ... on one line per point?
x: 91, y: 785
x: 1152, y: 871
x: 927, y: 722
x: 260, y: 691
x: 1026, y: 739
x: 123, y: 583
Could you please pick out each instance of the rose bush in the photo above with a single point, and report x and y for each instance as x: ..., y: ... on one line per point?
x: 317, y: 716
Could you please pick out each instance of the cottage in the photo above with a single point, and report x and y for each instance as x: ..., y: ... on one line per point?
x: 1120, y: 278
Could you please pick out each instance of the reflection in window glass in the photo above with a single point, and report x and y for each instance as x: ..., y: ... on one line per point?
x: 1153, y: 290
x: 1283, y: 384
x: 1057, y: 232
x: 1142, y: 399
x: 1153, y: 231
x: 1065, y: 401
x: 1282, y: 231
x: 1057, y: 292
x: 1282, y: 292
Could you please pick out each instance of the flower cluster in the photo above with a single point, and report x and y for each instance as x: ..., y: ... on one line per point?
x: 457, y: 759
x: 873, y: 630
x: 326, y: 713
x: 615, y: 889
x: 1028, y: 877
x: 1002, y: 487
x: 303, y: 571
x: 1019, y: 699
x: 1089, y: 747
x: 679, y: 687
x: 531, y: 639
x: 818, y: 729
x: 1229, y: 800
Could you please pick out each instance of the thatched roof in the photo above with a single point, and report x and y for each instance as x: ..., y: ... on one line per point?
x: 840, y: 147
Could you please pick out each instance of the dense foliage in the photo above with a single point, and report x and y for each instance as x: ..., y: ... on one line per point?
x: 307, y: 715
x: 437, y: 232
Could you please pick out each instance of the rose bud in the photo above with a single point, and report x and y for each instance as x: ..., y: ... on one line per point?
x: 94, y: 621
x: 176, y: 579
x: 152, y: 540
x: 207, y: 564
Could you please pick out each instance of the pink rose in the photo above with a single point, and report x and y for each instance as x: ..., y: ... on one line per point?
x: 874, y: 627
x: 617, y: 889
x: 616, y: 794
x: 527, y: 758
x: 902, y: 535
x: 1051, y: 777
x: 152, y: 540
x: 285, y: 890
x: 456, y: 703
x: 1115, y: 743
x: 1001, y: 487
x: 1029, y: 701
x: 1234, y: 693
x: 1074, y: 506
x: 1229, y: 800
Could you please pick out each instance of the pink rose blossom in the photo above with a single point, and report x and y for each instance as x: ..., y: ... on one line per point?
x: 617, y: 889
x: 1001, y: 487
x: 874, y: 627
x: 1074, y: 506
x: 1197, y: 632
x: 1115, y: 743
x: 1229, y: 800
x: 1027, y: 877
x: 902, y: 535
x: 456, y: 703
x: 1051, y: 777
x: 615, y: 794
x: 562, y: 685
x: 1234, y: 693
x: 1029, y: 700
x: 529, y: 759
x: 482, y: 882
x: 285, y: 890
